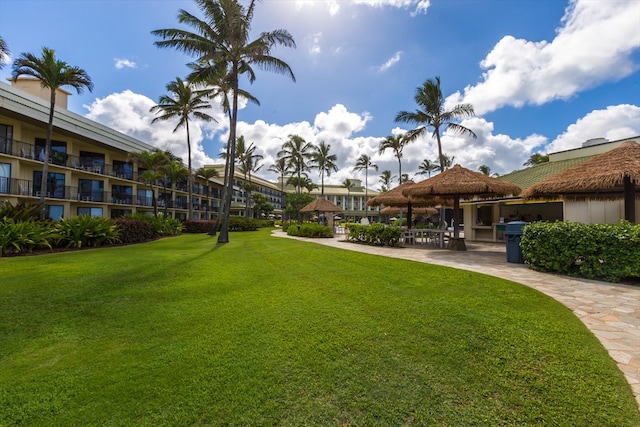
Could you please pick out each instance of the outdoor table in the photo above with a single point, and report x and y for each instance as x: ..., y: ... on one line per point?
x: 424, y: 233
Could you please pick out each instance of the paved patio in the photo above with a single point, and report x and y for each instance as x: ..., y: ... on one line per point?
x: 610, y: 311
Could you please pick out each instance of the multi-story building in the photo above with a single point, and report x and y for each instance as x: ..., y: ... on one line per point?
x: 352, y: 200
x: 241, y: 194
x: 89, y: 168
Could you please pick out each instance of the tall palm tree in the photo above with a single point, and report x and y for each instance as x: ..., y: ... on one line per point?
x: 386, y: 179
x: 396, y: 143
x: 324, y: 162
x: 348, y: 184
x: 4, y: 52
x: 445, y: 162
x: 249, y: 164
x: 221, y: 39
x: 53, y: 74
x: 308, y: 184
x: 175, y: 172
x: 296, y: 151
x: 280, y: 167
x: 426, y: 167
x: 151, y: 162
x: 432, y: 114
x: 365, y: 163
x: 182, y: 103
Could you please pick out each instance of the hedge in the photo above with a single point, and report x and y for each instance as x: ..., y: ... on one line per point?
x: 607, y: 252
x: 374, y: 234
x: 310, y: 230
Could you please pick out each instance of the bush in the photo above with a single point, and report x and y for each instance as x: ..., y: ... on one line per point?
x: 133, y: 230
x: 237, y: 223
x: 374, y: 234
x: 198, y: 226
x: 86, y: 230
x: 160, y: 225
x: 23, y: 236
x: 21, y: 211
x: 310, y: 230
x: 595, y: 251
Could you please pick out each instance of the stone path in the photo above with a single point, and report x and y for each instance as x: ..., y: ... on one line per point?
x: 611, y: 311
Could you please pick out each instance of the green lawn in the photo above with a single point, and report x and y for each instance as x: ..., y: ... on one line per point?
x: 267, y: 331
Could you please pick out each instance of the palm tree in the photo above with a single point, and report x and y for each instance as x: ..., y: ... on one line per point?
x: 53, y: 74
x: 324, y: 162
x: 396, y: 144
x: 151, y: 162
x: 364, y: 163
x: 280, y: 167
x: 348, y: 184
x: 426, y: 167
x: 386, y: 179
x: 249, y: 163
x: 404, y: 178
x: 308, y: 184
x: 536, y: 159
x: 429, y: 98
x: 445, y: 162
x: 221, y: 39
x: 182, y: 103
x: 4, y: 52
x: 296, y: 151
x: 175, y: 172
x: 485, y: 169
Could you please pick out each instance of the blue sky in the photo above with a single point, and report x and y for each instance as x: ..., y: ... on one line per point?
x: 542, y: 75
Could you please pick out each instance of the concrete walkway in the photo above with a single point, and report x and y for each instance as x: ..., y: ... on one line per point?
x: 610, y: 311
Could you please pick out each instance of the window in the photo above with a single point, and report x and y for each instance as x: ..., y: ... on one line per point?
x: 122, y: 194
x: 119, y: 213
x: 58, y: 151
x: 6, y: 138
x: 145, y: 197
x: 5, y: 177
x: 123, y: 169
x: 55, y: 184
x: 93, y: 161
x: 55, y: 212
x: 94, y: 212
x: 91, y: 190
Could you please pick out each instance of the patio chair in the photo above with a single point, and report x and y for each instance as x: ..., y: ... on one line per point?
x: 408, y: 237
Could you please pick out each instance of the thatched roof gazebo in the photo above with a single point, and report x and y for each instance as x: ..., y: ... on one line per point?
x: 322, y: 205
x: 460, y: 183
x: 395, y: 210
x: 608, y: 176
x: 395, y: 198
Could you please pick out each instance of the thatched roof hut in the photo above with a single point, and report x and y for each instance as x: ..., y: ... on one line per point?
x: 395, y: 210
x: 608, y: 176
x: 460, y: 183
x: 395, y: 198
x: 321, y: 205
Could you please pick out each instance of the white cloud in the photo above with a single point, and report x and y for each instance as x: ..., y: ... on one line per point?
x: 613, y: 123
x: 312, y: 41
x: 128, y: 112
x: 124, y: 63
x: 390, y: 62
x: 595, y: 44
x: 421, y: 6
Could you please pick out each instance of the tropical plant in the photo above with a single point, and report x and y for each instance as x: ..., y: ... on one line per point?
x: 536, y: 159
x: 324, y: 162
x: 151, y: 162
x: 308, y: 184
x: 431, y: 113
x: 174, y: 172
x: 484, y: 169
x: 249, y: 164
x: 365, y: 163
x: 4, y: 52
x: 396, y: 143
x: 445, y: 162
x: 296, y: 151
x: 348, y: 184
x: 221, y: 41
x: 182, y: 103
x: 53, y: 75
x: 20, y: 211
x: 426, y: 167
x: 280, y: 168
x: 85, y: 230
x: 386, y: 179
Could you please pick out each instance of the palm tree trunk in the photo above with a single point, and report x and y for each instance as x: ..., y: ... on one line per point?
x: 47, y: 149
x: 190, y: 179
x: 224, y: 230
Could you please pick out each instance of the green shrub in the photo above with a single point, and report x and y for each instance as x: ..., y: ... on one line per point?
x: 595, y: 251
x: 23, y: 236
x: 160, y: 225
x: 311, y: 229
x: 21, y: 211
x: 198, y: 226
x: 85, y: 230
x: 374, y: 234
x: 133, y: 230
x: 238, y: 223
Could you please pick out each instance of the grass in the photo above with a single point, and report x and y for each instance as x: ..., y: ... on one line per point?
x: 269, y: 331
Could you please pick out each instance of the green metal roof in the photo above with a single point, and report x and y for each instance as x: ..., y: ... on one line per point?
x: 525, y: 178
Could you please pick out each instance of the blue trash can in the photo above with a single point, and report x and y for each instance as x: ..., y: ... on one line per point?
x: 512, y: 235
